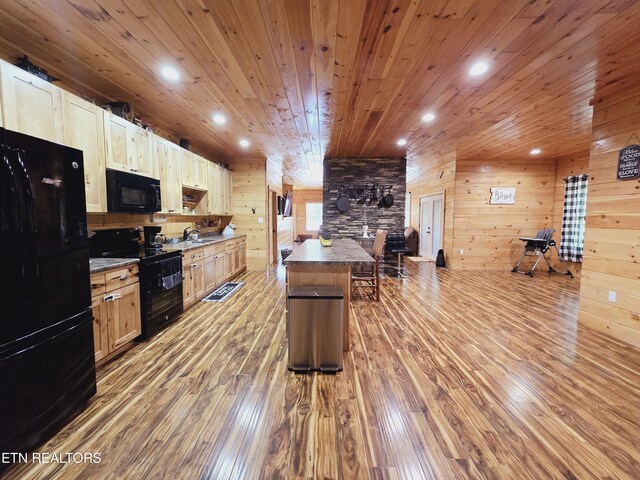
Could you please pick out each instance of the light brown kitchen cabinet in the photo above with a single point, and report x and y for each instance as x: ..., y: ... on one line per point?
x: 228, y: 266
x: 123, y: 315
x: 193, y: 280
x: 30, y: 105
x: 193, y: 287
x: 220, y: 190
x: 100, y: 329
x: 143, y: 163
x: 188, y: 163
x: 210, y: 274
x: 214, y: 192
x: 115, y: 305
x: 208, y: 267
x: 202, y: 173
x: 84, y: 129
x: 194, y: 170
x: 167, y: 157
x: 227, y: 194
x: 129, y: 147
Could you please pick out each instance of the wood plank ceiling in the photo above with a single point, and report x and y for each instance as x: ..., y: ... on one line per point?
x: 304, y: 79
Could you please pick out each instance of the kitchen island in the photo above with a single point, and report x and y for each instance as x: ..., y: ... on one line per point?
x: 311, y: 264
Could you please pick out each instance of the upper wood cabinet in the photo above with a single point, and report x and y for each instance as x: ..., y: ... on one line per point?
x: 188, y: 164
x: 29, y: 104
x: 84, y: 129
x: 228, y: 192
x: 214, y: 197
x: 129, y: 147
x: 220, y: 191
x: 202, y: 172
x: 194, y: 170
x: 167, y: 159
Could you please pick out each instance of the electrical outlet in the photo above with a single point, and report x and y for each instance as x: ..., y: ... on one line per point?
x: 260, y: 220
x: 612, y: 296
x: 461, y: 251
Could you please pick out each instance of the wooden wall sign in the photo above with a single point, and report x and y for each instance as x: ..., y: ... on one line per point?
x: 503, y: 196
x: 629, y: 163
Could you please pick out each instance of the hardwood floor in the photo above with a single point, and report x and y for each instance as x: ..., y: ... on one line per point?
x: 451, y: 375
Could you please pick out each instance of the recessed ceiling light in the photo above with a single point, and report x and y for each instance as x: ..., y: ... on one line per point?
x: 219, y: 118
x: 402, y: 142
x: 428, y: 117
x: 170, y: 73
x: 244, y: 143
x: 535, y: 151
x: 479, y: 68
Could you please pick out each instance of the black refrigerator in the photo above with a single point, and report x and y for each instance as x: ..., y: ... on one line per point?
x: 47, y: 370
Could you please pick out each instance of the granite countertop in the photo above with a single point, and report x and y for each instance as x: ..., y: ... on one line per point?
x: 343, y: 251
x: 211, y: 240
x: 100, y: 264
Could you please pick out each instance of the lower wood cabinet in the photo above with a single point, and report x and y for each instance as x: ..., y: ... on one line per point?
x: 210, y: 274
x: 116, y: 310
x: 193, y: 287
x: 206, y: 268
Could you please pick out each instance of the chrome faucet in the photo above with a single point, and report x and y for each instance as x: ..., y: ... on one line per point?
x: 187, y: 233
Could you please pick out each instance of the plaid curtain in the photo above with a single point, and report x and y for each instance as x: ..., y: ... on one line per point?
x: 573, y: 218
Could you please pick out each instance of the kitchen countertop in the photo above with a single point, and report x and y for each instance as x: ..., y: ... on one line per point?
x: 211, y: 240
x: 100, y: 264
x: 343, y: 251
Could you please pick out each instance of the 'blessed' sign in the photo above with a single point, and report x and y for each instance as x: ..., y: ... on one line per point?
x: 503, y: 196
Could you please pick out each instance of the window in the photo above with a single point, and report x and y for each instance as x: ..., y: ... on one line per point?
x: 407, y: 209
x: 573, y: 218
x: 314, y: 216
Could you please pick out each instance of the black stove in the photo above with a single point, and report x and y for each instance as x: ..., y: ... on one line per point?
x: 144, y: 254
x: 160, y: 274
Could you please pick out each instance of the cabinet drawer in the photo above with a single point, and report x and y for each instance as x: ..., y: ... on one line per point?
x: 212, y: 250
x: 231, y: 244
x: 242, y: 241
x: 193, y: 255
x: 98, y: 284
x: 121, y: 277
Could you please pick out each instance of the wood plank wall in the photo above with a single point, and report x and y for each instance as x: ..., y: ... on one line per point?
x: 299, y: 212
x: 612, y: 237
x: 565, y: 167
x: 488, y: 234
x: 250, y: 192
x: 428, y: 175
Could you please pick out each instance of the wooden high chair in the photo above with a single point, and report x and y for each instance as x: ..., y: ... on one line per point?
x: 371, y: 279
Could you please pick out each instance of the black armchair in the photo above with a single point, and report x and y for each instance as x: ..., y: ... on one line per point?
x: 396, y: 246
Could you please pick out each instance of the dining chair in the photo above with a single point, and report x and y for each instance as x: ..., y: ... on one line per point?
x: 371, y: 279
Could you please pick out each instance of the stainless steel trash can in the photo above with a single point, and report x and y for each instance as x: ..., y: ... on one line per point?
x: 315, y: 329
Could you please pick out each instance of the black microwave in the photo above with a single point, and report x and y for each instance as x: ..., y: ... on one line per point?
x: 129, y: 193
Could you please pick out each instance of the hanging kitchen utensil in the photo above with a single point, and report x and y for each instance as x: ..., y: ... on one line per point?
x: 343, y: 203
x: 374, y: 195
x: 388, y: 200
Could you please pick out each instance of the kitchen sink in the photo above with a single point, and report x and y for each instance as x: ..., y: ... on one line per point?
x: 201, y: 240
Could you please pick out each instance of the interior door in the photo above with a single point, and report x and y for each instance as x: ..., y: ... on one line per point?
x: 431, y: 225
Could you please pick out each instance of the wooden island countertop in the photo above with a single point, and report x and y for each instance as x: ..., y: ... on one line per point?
x: 343, y: 251
x: 311, y: 264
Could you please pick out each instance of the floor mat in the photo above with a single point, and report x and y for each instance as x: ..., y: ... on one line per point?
x: 418, y: 259
x: 221, y: 293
